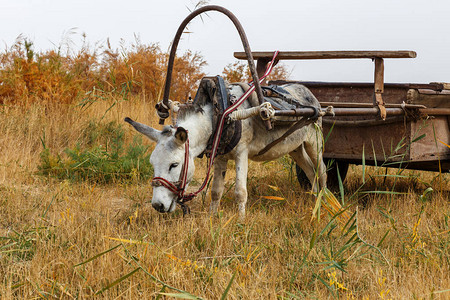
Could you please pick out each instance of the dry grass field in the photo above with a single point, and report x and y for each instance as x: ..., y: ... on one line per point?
x: 62, y: 238
x: 76, y: 220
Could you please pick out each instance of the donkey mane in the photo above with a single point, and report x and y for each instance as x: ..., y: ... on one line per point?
x: 189, y: 109
x: 167, y: 130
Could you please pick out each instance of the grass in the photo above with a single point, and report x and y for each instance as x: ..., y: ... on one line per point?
x: 76, y: 219
x: 61, y: 238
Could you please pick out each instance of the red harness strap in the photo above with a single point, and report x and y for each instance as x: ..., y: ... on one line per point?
x: 179, y: 187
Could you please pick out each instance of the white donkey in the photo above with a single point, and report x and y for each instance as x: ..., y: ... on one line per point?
x: 196, y: 123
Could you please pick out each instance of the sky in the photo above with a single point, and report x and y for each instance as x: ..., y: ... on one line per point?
x: 294, y: 25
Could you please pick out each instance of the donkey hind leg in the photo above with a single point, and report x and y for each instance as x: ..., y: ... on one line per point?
x: 308, y: 162
x: 314, y: 150
x: 220, y: 169
x: 305, y: 163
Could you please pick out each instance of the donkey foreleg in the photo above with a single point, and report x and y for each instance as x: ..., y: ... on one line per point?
x: 220, y: 169
x: 241, y: 180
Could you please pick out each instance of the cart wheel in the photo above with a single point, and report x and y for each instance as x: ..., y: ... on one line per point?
x: 332, y: 177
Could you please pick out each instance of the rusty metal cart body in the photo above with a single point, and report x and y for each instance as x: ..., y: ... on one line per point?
x: 393, y: 124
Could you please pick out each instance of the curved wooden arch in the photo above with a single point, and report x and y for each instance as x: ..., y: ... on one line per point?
x: 163, y: 109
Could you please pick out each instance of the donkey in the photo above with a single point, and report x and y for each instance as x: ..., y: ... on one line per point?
x: 195, y: 121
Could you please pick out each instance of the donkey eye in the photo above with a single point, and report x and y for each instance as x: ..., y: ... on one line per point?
x: 174, y: 165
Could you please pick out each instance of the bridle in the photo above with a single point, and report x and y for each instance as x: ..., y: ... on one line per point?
x: 178, y: 187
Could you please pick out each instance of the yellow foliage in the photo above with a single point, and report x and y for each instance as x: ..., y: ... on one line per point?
x: 239, y: 72
x: 53, y: 76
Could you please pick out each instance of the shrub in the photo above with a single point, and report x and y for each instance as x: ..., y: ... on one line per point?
x: 239, y: 72
x: 142, y: 69
x: 100, y: 157
x: 68, y: 76
x: 50, y: 76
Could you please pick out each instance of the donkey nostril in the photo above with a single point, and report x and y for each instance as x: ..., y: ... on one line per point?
x: 158, y: 206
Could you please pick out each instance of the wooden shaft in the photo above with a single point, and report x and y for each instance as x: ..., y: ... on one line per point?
x: 339, y: 111
x: 368, y: 105
x: 162, y: 109
x: 362, y: 111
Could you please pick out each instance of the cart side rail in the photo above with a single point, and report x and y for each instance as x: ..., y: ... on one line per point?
x: 290, y: 55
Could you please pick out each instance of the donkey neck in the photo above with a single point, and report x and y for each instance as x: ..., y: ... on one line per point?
x: 199, y: 126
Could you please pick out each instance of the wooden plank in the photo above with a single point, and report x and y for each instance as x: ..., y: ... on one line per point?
x: 379, y: 75
x: 427, y: 148
x: 351, y: 85
x: 284, y: 55
x: 446, y: 85
x: 429, y: 98
x: 433, y: 92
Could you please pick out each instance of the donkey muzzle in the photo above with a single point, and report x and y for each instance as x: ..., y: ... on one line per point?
x: 159, y: 207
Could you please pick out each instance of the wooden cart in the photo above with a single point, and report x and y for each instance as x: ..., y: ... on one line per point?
x: 393, y: 124
x: 382, y: 124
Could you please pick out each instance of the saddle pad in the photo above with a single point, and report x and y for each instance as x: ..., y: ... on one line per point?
x: 213, y: 90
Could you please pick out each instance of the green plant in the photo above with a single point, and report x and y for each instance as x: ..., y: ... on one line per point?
x: 336, y: 243
x: 21, y: 245
x: 100, y: 158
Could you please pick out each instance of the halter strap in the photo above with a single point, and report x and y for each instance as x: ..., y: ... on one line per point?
x: 179, y: 186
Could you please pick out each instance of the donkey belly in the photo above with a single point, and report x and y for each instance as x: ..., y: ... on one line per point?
x: 287, y: 145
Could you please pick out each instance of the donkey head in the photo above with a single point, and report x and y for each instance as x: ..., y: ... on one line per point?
x: 167, y: 159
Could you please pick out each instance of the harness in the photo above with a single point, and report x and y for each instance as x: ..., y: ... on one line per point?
x: 213, y: 90
x: 179, y: 186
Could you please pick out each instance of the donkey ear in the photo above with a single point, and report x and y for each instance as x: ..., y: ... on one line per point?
x: 181, y: 135
x: 149, y: 132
